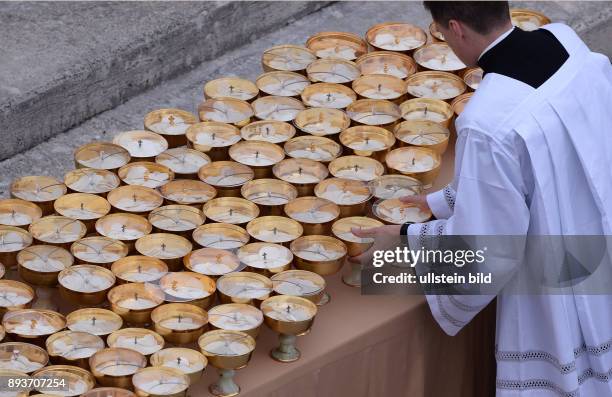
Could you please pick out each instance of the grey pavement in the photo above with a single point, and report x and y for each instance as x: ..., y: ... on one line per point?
x: 54, y: 157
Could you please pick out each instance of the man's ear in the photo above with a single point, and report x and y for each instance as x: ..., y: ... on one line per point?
x: 456, y: 27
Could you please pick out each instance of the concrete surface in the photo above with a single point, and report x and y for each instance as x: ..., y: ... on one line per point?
x: 63, y: 62
x: 54, y: 157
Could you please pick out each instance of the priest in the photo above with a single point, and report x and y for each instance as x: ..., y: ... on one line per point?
x: 533, y: 158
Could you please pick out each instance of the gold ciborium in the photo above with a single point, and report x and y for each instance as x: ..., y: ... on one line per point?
x: 459, y: 103
x: 422, y: 133
x: 342, y: 229
x: 73, y: 347
x: 170, y: 248
x: 236, y: 317
x: 145, y: 173
x: 115, y: 366
x: 396, y: 36
x: 18, y: 213
x: 227, y: 177
x: 300, y: 283
x: 124, y: 227
x: 290, y: 316
x: 427, y: 109
x: 176, y: 218
x: 172, y: 124
x: 328, y: 95
x: 85, y: 207
x: 138, y: 269
x: 232, y: 87
x: 357, y: 168
x: 179, y: 323
x: 213, y: 138
x: 188, y: 287
x: 472, y: 77
x: 322, y: 122
x: 374, y: 112
x: 189, y: 361
x: 418, y: 162
x: 269, y: 194
x: 183, y: 161
x: 21, y: 392
x: 101, y: 156
x: 440, y: 57
x: 528, y: 19
x: 142, y: 340
x: 287, y: 57
x: 101, y: 322
x: 337, y: 45
x: 134, y: 199
x: 22, y: 357
x: 265, y: 258
x: 244, y: 287
x: 187, y: 192
x: 223, y: 236
x: 32, y: 325
x: 316, y: 148
x: 282, y: 83
x: 259, y: 156
x: 436, y: 35
x: 40, y: 190
x: 89, y: 180
x: 315, y: 214
x: 142, y: 145
x: 368, y: 141
x: 268, y: 131
x: 98, y: 250
x: 380, y: 86
x: 435, y: 85
x: 351, y: 196
x: 15, y: 295
x: 85, y: 285
x: 57, y: 230
x: 233, y: 210
x: 134, y: 302
x: 386, y: 62
x: 212, y: 262
x: 227, y: 351
x: 396, y: 212
x: 395, y: 186
x: 77, y: 380
x: 225, y: 110
x: 160, y: 382
x: 302, y: 173
x: 333, y: 70
x: 274, y: 229
x: 109, y: 392
x: 279, y: 108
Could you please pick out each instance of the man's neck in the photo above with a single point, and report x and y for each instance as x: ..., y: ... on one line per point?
x: 493, y: 38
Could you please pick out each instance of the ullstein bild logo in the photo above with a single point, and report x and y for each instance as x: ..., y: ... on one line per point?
x: 404, y: 255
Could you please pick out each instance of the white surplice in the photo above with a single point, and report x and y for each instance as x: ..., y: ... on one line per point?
x: 536, y: 162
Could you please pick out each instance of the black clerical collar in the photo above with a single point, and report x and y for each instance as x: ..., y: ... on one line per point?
x: 530, y: 57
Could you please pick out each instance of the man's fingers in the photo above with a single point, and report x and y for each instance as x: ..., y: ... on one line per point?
x: 369, y: 232
x: 409, y: 199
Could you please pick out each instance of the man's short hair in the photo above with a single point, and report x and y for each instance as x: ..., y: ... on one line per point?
x: 482, y: 16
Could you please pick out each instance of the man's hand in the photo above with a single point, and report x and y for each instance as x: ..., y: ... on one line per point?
x: 385, y: 237
x: 420, y: 200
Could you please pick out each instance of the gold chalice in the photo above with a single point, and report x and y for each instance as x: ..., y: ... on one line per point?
x: 438, y: 56
x: 315, y: 214
x: 259, y: 156
x: 322, y: 122
x: 342, y: 45
x: 139, y: 269
x: 265, y: 258
x: 386, y: 62
x: 435, y: 85
x: 176, y: 218
x: 223, y: 236
x: 395, y: 186
x: 279, y: 108
x: 227, y: 177
x: 134, y: 302
x: 124, y: 227
x: 226, y: 110
x: 300, y: 283
x: 183, y: 161
x: 459, y: 102
x: 160, y: 382
x: 172, y: 124
x: 40, y: 190
x: 22, y: 357
x: 351, y: 196
x: 109, y: 392
x: 282, y: 83
x: 145, y: 173
x: 101, y: 156
x: 139, y: 200
x: 269, y: 194
x: 328, y: 95
x: 244, y: 287
x: 73, y: 347
x: 268, y: 131
x: 292, y: 58
x: 427, y: 109
x: 231, y: 87
x: 342, y: 229
x: 78, y: 380
x: 189, y: 361
x: 274, y: 229
x: 396, y: 212
x: 32, y: 325
x: 290, y: 316
x: 436, y: 35
x: 98, y: 250
x: 472, y: 77
x: 188, y: 287
x: 234, y: 210
x: 358, y: 168
x: 142, y: 340
x: 316, y: 148
x: 236, y: 317
x: 142, y: 145
x: 15, y: 295
x: 374, y: 112
x: 227, y: 351
x: 100, y: 322
x: 89, y: 180
x: 212, y: 262
x: 368, y: 141
x: 115, y: 366
x: 18, y: 213
x: 213, y: 138
x: 179, y: 323
x: 418, y: 162
x: 85, y: 285
x: 528, y: 19
x: 187, y: 192
x: 421, y: 133
x: 319, y: 254
x: 56, y: 230
x: 396, y: 36
x: 170, y: 248
x: 85, y: 207
x: 302, y: 173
